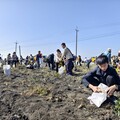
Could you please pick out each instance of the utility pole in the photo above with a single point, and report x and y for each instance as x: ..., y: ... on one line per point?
x: 76, y: 39
x: 19, y: 50
x: 16, y: 46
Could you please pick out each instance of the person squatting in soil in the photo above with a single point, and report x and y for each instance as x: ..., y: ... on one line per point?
x: 105, y: 74
x: 51, y: 62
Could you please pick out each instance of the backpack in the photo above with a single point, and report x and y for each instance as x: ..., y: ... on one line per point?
x: 74, y: 57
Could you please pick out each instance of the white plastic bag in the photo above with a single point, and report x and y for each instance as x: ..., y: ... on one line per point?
x: 99, y: 98
x: 61, y: 70
x: 7, y: 70
x: 103, y: 87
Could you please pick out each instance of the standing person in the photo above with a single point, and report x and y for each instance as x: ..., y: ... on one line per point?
x: 87, y: 61
x: 27, y: 60
x: 14, y: 59
x: 5, y: 61
x: 69, y: 59
x: 39, y: 59
x: 9, y: 59
x: 108, y: 54
x: 31, y: 57
x: 79, y: 60
x: 21, y: 59
x: 58, y: 59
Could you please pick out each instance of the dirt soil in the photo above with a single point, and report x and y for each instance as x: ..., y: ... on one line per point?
x: 44, y: 95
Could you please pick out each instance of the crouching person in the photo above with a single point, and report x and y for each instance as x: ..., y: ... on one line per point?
x: 105, y: 74
x: 50, y: 61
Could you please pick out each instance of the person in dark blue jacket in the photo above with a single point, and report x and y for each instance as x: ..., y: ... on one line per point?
x: 103, y: 73
x: 108, y: 54
x: 38, y: 59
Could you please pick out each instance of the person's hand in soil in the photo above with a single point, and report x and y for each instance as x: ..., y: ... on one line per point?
x: 110, y: 91
x: 95, y: 88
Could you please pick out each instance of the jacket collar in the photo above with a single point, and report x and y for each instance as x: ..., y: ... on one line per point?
x: 99, y: 71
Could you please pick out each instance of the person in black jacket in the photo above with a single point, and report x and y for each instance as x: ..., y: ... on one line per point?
x: 103, y: 73
x: 118, y: 53
x: 38, y: 59
x: 50, y: 61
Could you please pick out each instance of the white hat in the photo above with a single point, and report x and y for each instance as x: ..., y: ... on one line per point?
x: 109, y: 49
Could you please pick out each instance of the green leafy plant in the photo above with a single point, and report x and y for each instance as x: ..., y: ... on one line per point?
x: 117, y: 107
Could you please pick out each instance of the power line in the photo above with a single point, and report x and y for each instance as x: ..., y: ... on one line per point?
x: 80, y: 39
x: 101, y: 26
x: 101, y: 36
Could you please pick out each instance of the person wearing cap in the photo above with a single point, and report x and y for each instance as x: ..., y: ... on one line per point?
x: 108, y: 54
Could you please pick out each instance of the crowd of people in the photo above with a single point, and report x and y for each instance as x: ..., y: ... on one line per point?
x: 55, y: 61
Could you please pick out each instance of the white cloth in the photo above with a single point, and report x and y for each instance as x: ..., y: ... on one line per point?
x: 58, y: 57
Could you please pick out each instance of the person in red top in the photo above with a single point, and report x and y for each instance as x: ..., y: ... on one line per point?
x: 39, y: 59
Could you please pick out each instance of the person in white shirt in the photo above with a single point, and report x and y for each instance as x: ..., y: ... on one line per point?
x: 67, y: 54
x: 58, y: 59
